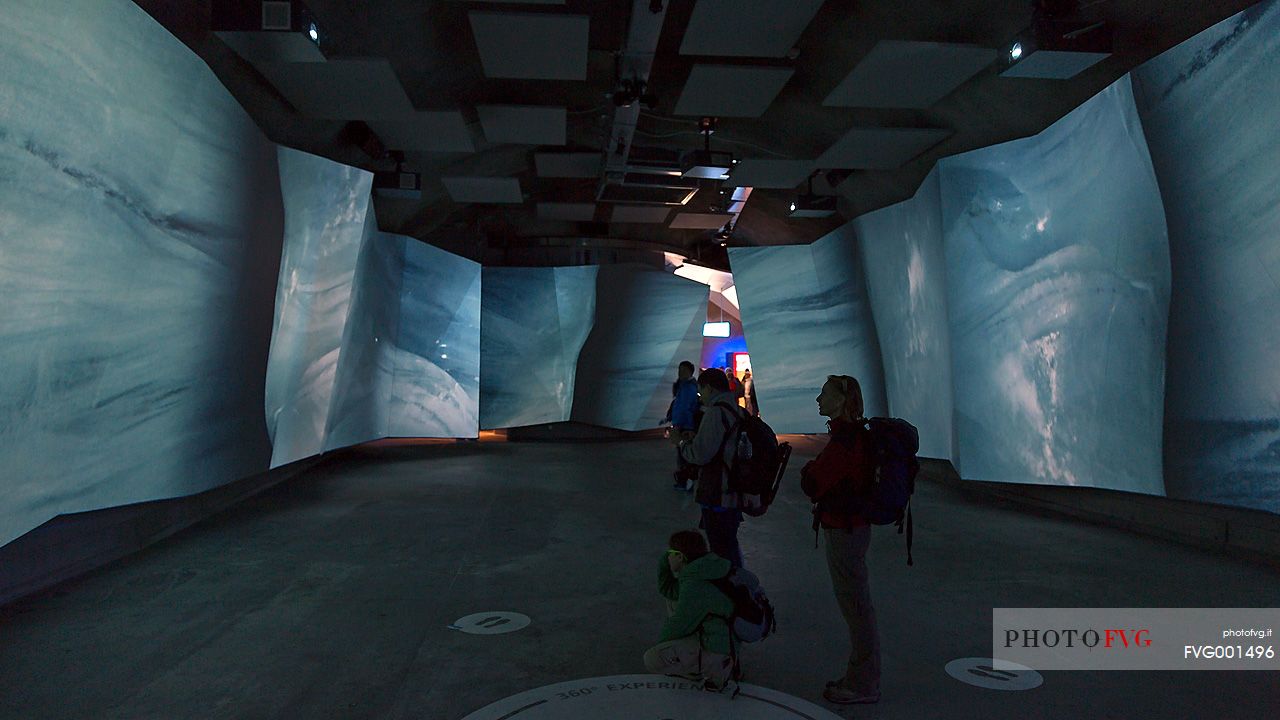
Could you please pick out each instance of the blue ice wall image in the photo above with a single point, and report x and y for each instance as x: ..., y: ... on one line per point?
x: 1210, y: 107
x: 1058, y: 294
x: 436, y: 387
x: 906, y: 282
x: 534, y: 322
x: 806, y: 315
x: 647, y: 322
x: 326, y: 205
x: 376, y: 334
x: 140, y: 226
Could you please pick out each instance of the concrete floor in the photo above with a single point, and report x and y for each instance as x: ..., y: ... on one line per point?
x: 329, y: 597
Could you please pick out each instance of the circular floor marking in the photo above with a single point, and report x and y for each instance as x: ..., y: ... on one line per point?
x: 647, y: 697
x: 491, y: 623
x: 994, y: 674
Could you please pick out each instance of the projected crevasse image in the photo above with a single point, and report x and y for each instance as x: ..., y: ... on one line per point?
x: 1209, y: 108
x: 1058, y: 293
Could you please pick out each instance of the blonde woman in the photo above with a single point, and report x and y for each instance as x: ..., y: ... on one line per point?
x: 842, y: 470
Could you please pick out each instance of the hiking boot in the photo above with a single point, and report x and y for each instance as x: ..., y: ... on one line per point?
x: 837, y: 693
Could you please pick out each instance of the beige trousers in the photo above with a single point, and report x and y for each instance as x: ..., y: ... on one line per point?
x: 846, y: 559
x: 686, y: 658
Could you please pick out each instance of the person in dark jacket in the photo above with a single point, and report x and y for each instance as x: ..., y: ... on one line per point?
x: 682, y: 414
x: 844, y: 469
x: 716, y: 438
x: 695, y: 642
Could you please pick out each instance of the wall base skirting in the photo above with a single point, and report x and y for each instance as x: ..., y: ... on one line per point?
x: 1242, y: 532
x: 74, y: 544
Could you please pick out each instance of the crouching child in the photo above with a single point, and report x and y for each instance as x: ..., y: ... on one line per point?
x: 696, y: 641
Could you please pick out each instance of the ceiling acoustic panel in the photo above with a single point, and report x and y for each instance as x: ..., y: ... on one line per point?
x: 880, y: 148
x: 444, y: 131
x: 731, y: 90
x: 639, y: 214
x: 531, y: 46
x: 523, y: 124
x: 567, y: 165
x: 747, y: 28
x: 906, y: 74
x: 771, y: 174
x: 700, y: 221
x: 364, y: 89
x: 572, y: 212
x: 483, y: 189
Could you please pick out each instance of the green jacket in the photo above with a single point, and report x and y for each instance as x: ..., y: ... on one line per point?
x: 696, y: 599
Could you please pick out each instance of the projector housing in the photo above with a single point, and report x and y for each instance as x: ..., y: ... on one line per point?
x: 809, y: 205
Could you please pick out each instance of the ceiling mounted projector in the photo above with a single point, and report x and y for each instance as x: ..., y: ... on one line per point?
x: 268, y: 31
x: 809, y: 205
x: 707, y: 164
x: 398, y: 183
x: 1056, y: 49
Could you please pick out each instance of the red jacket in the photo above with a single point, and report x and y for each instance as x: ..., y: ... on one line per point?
x: 846, y: 457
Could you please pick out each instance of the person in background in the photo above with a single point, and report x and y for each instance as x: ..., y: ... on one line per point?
x: 721, y: 418
x: 695, y: 639
x: 844, y: 469
x: 682, y: 414
x: 749, y: 394
x: 735, y: 385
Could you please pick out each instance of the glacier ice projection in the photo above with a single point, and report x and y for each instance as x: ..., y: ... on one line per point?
x: 806, y: 315
x: 436, y: 385
x: 376, y: 334
x: 647, y: 322
x: 1209, y: 109
x: 1058, y: 294
x: 906, y: 282
x: 326, y: 204
x: 365, y: 371
x: 533, y: 324
x: 140, y: 226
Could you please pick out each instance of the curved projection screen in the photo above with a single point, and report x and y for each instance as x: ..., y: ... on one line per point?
x: 140, y: 226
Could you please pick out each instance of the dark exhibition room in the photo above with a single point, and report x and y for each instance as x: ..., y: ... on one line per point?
x: 639, y: 359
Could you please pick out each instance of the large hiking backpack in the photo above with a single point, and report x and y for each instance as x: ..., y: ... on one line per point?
x: 887, y: 501
x: 753, y: 619
x: 756, y: 463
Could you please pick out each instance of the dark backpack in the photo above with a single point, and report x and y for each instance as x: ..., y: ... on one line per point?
x: 753, y: 619
x: 756, y: 464
x: 887, y: 501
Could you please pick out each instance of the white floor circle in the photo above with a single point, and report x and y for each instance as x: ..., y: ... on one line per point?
x: 994, y: 674
x: 491, y: 623
x: 647, y: 697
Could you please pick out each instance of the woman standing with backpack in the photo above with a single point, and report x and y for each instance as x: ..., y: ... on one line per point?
x: 843, y: 470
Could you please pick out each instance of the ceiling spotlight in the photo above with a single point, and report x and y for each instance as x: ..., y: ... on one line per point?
x: 1015, y: 52
x: 313, y: 32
